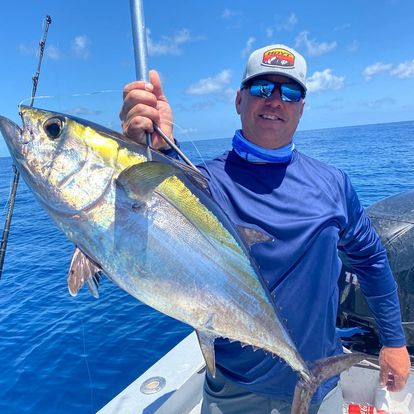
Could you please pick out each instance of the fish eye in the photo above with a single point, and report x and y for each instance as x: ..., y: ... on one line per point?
x: 54, y: 127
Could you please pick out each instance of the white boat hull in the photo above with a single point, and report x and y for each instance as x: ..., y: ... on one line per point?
x: 174, y: 385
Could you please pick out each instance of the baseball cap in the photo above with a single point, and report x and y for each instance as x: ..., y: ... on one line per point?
x: 276, y: 60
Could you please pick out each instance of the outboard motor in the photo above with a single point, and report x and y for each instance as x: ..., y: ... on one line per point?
x: 393, y: 219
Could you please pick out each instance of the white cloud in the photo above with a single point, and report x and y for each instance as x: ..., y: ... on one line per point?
x: 228, y: 14
x: 353, y: 47
x: 312, y: 47
x: 82, y: 111
x: 325, y: 80
x: 282, y: 23
x: 249, y: 47
x: 169, y: 45
x: 212, y: 85
x: 26, y: 49
x: 203, y: 105
x: 229, y: 94
x: 403, y: 70
x: 291, y: 22
x: 381, y: 103
x: 287, y: 24
x: 341, y: 27
x: 375, y: 69
x: 80, y: 46
x: 53, y: 52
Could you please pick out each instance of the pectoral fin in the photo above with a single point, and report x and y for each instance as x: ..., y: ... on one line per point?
x: 140, y: 180
x: 206, y: 342
x: 83, y: 270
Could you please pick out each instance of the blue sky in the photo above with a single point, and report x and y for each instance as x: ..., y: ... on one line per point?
x: 360, y: 57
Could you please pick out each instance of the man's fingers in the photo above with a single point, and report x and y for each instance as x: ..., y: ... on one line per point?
x: 137, y: 127
x: 134, y: 97
x: 392, y: 381
x: 384, y: 374
x: 138, y: 121
x: 156, y: 82
x: 142, y: 85
x: 397, y: 384
x: 145, y: 111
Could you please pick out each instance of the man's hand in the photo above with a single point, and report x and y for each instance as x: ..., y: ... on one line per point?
x: 395, y: 367
x: 145, y: 104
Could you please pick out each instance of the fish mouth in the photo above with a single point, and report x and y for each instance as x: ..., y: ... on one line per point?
x: 12, y: 134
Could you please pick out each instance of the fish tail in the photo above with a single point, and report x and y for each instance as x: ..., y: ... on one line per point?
x: 321, y: 370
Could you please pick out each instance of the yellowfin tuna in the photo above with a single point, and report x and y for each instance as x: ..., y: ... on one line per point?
x: 152, y: 228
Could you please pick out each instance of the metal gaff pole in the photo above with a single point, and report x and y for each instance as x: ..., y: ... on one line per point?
x: 140, y: 49
x: 139, y: 37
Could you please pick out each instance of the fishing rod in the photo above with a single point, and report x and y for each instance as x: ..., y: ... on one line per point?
x: 7, y: 223
x: 139, y: 37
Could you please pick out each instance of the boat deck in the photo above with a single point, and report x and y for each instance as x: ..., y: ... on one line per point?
x: 174, y: 385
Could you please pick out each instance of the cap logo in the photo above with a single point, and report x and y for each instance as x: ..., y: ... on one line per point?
x: 278, y: 57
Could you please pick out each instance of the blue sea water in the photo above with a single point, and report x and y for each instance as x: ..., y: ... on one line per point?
x: 60, y: 354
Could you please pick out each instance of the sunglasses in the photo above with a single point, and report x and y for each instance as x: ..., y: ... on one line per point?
x: 289, y: 92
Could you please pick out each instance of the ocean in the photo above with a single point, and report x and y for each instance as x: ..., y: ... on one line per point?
x: 60, y: 354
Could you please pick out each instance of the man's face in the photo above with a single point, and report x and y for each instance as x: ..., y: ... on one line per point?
x: 268, y: 122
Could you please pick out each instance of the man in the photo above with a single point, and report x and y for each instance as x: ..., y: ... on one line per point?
x: 310, y: 209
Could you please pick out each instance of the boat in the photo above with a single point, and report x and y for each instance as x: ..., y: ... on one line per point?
x: 174, y: 384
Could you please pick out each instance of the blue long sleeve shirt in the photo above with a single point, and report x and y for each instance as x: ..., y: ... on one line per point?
x: 311, y: 210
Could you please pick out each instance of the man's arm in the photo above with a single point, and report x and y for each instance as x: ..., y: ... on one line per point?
x: 368, y: 258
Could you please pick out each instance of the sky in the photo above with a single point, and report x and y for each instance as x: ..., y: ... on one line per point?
x: 360, y: 56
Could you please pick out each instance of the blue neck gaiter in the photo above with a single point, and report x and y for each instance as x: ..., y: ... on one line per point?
x: 255, y: 153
